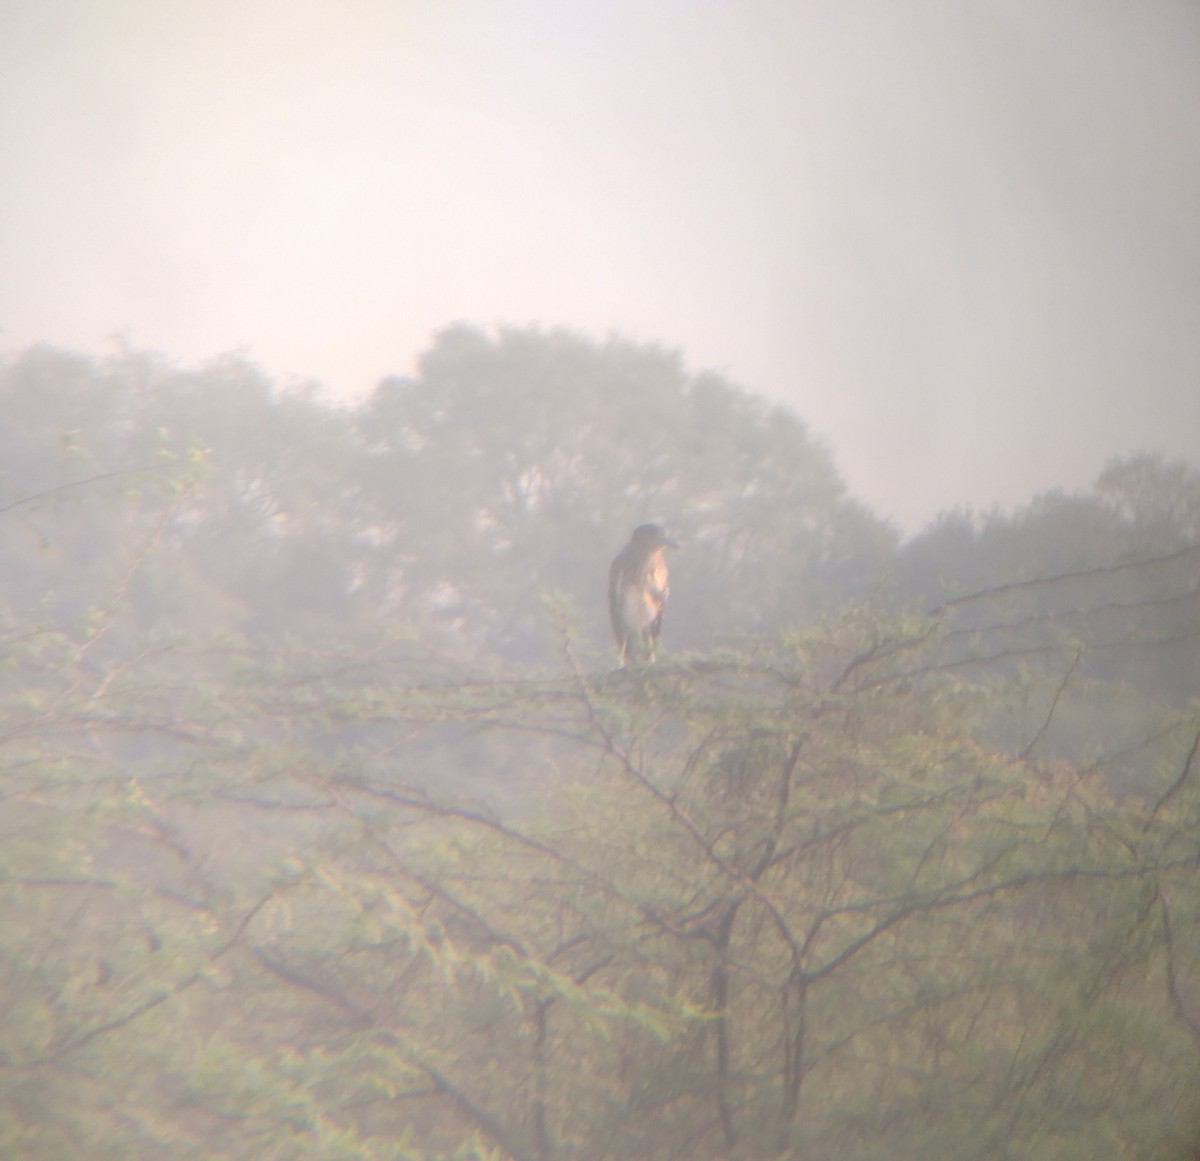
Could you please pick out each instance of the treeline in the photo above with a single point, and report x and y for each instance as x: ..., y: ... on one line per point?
x: 329, y: 832
x: 511, y: 467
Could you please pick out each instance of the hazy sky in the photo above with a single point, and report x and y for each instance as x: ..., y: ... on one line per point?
x: 962, y: 239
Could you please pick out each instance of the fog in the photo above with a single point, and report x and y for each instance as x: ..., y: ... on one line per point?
x: 334, y: 827
x: 959, y: 240
x: 364, y: 798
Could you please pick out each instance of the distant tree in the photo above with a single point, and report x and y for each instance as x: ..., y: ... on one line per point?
x: 510, y: 468
x: 1119, y: 562
x: 963, y: 552
x: 269, y: 535
x: 315, y: 882
x: 517, y: 465
x: 1160, y: 500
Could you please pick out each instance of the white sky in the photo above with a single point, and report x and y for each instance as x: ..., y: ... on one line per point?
x: 961, y: 239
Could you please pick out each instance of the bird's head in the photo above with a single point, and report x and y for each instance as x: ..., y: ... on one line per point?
x: 652, y: 536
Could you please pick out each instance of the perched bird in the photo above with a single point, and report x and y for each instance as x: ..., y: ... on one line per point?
x: 638, y: 590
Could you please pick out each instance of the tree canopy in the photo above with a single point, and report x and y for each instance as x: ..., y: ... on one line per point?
x: 330, y: 831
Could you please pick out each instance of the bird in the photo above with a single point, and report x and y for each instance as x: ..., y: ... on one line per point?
x: 638, y: 591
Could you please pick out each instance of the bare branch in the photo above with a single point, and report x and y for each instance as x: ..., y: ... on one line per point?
x: 1179, y: 782
x: 1062, y: 685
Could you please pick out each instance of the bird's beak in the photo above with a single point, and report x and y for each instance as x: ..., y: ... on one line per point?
x: 669, y: 543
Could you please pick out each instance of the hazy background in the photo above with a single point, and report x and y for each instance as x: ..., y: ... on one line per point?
x: 961, y: 240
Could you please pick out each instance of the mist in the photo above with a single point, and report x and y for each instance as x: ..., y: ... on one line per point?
x: 582, y: 582
x: 377, y: 783
x: 959, y: 242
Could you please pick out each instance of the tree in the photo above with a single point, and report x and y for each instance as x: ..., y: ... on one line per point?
x: 788, y: 899
x: 310, y: 883
x: 517, y: 465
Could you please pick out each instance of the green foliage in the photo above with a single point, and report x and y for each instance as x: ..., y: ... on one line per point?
x: 783, y: 901
x: 285, y: 877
